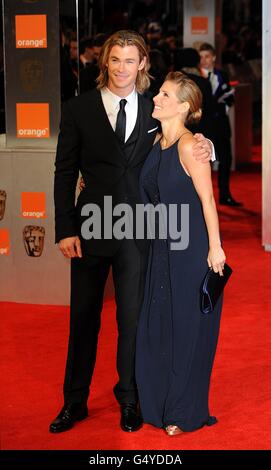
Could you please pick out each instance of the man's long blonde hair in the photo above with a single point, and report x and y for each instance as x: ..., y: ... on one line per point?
x: 125, y: 38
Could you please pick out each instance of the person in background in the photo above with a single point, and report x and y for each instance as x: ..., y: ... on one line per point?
x: 86, y: 52
x: 223, y: 95
x: 88, y: 75
x: 158, y: 71
x: 187, y: 60
x: 68, y: 80
x: 74, y: 56
x: 154, y: 34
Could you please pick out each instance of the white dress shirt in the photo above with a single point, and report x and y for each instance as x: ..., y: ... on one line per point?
x: 212, y: 77
x: 111, y: 104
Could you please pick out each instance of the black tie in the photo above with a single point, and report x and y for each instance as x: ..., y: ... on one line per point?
x: 121, y: 122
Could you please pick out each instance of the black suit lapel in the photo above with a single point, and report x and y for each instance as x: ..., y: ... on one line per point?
x: 109, y: 135
x: 143, y: 118
x: 102, y: 125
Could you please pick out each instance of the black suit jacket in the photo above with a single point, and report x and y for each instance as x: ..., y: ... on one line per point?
x: 88, y: 143
x: 205, y: 125
x: 222, y: 128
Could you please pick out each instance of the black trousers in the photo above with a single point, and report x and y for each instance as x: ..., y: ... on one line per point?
x: 222, y: 142
x: 88, y: 278
x: 224, y: 168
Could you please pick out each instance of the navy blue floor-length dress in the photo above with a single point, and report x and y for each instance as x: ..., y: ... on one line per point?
x: 176, y: 342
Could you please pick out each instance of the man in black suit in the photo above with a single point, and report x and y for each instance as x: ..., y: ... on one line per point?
x: 223, y: 98
x: 107, y: 134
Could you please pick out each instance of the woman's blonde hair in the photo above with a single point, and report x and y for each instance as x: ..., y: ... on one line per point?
x: 125, y: 38
x: 188, y: 91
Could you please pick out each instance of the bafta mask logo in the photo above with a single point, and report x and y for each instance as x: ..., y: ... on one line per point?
x: 3, y: 198
x: 33, y: 236
x: 198, y: 4
x: 31, y: 74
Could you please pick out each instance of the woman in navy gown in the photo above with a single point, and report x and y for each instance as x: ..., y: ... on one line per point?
x: 176, y: 342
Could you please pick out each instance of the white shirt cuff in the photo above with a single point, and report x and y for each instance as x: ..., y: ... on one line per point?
x: 213, y: 159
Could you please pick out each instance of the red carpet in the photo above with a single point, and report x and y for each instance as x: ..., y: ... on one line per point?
x: 33, y: 354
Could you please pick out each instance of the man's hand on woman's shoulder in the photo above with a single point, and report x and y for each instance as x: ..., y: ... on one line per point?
x: 202, y: 149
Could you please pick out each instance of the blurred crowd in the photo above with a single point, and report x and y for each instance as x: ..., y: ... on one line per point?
x: 238, y: 53
x: 239, y: 47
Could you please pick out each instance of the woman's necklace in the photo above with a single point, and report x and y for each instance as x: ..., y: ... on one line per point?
x: 173, y: 141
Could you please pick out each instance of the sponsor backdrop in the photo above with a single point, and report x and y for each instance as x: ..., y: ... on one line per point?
x: 199, y: 22
x: 31, y: 41
x: 32, y: 269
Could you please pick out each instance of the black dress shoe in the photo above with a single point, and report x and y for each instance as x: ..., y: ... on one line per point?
x: 131, y: 419
x: 70, y: 413
x: 229, y: 201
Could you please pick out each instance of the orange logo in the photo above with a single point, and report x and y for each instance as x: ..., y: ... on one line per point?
x: 31, y: 31
x: 32, y: 120
x: 4, y: 241
x: 33, y: 205
x: 199, y: 25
